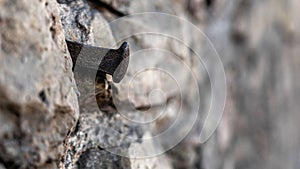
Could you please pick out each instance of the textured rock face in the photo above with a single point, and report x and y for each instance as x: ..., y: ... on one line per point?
x: 50, y: 120
x: 38, y: 105
x: 108, y: 128
x: 258, y: 129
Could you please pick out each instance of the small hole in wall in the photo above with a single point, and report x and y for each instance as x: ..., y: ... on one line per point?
x: 43, y: 97
x: 208, y: 3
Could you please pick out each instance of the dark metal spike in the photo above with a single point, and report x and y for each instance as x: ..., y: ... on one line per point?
x: 112, y: 61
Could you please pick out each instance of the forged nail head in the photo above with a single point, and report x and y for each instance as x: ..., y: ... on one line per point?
x: 113, y: 61
x: 122, y: 68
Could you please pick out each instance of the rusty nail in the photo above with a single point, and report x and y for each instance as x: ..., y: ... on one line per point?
x: 112, y: 61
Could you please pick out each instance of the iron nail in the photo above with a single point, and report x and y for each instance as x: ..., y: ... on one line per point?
x: 112, y: 61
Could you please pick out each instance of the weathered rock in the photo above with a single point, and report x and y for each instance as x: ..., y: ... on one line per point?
x: 38, y: 105
x: 84, y: 138
x: 95, y: 158
x: 258, y: 129
x: 104, y: 129
x: 84, y: 24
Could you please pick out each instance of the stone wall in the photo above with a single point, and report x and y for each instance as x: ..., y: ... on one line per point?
x: 48, y: 118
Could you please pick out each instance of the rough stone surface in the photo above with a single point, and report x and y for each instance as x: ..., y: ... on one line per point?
x: 38, y: 105
x: 104, y: 128
x: 85, y: 138
x: 93, y: 158
x: 258, y: 129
